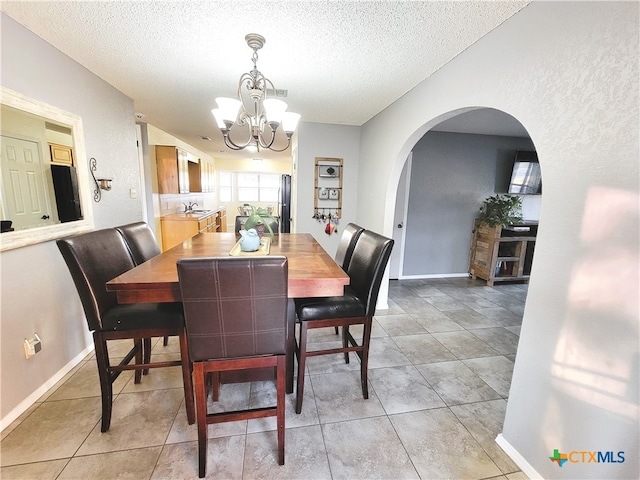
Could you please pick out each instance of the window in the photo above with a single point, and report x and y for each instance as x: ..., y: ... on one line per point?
x: 225, y: 186
x: 249, y: 187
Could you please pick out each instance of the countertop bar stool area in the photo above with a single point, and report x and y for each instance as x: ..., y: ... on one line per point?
x: 93, y: 259
x: 236, y: 318
x: 356, y: 307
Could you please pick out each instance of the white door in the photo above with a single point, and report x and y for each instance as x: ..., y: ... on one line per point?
x: 400, y: 216
x: 26, y: 202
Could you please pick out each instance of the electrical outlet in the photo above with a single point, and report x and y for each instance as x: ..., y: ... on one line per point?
x: 32, y: 345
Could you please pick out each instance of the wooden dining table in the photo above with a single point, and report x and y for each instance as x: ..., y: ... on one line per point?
x: 312, y: 273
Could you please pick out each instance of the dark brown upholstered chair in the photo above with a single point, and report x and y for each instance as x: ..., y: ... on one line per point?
x: 93, y: 259
x: 140, y: 241
x: 355, y: 307
x: 142, y: 245
x: 236, y: 316
x: 348, y: 240
x: 241, y: 219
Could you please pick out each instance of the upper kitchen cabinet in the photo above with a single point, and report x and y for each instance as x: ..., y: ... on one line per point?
x: 173, y: 169
x: 207, y: 176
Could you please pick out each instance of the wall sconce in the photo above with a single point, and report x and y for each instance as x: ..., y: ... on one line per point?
x: 101, y: 183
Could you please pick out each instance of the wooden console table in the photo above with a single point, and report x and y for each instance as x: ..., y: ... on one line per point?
x: 502, y: 254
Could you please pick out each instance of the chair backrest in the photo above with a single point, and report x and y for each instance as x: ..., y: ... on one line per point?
x: 140, y: 240
x: 348, y: 240
x: 234, y: 306
x: 241, y: 219
x: 93, y: 259
x: 366, y: 269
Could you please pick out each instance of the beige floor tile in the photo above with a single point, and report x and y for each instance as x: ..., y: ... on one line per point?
x: 138, y: 420
x: 435, y: 440
x: 484, y: 421
x: 402, y: 324
x: 456, y: 383
x: 180, y: 460
x: 86, y: 383
x: 339, y: 397
x: 263, y: 394
x: 495, y: 371
x: 366, y: 448
x: 158, y: 378
x: 383, y: 352
x: 436, y: 323
x: 34, y: 471
x: 403, y: 389
x: 54, y: 430
x: 13, y: 425
x: 423, y: 349
x: 500, y: 339
x: 469, y: 319
x: 304, y: 455
x: 463, y: 344
x: 129, y: 464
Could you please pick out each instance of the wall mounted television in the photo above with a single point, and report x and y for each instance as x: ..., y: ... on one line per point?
x: 526, y: 178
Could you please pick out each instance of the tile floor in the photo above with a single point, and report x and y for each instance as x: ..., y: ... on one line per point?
x: 440, y: 368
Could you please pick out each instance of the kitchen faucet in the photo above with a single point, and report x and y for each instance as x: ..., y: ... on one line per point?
x: 189, y: 208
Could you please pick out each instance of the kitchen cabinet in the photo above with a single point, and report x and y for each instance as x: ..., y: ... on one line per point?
x: 222, y: 220
x: 178, y: 227
x: 207, y: 177
x: 173, y: 169
x: 501, y: 254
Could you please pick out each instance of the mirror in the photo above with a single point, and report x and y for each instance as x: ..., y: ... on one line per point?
x: 44, y: 186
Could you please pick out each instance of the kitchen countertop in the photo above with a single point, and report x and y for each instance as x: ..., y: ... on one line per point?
x: 195, y: 215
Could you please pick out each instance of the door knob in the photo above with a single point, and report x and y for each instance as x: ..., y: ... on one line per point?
x: 45, y: 217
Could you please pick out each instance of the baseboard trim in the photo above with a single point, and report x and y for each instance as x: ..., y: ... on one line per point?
x: 518, y: 459
x: 31, y: 399
x: 433, y: 275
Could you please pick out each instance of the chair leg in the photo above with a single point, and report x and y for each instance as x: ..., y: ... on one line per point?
x: 106, y: 388
x: 337, y: 331
x: 301, y: 352
x: 215, y: 386
x: 186, y: 378
x: 201, y: 416
x: 345, y: 341
x: 147, y: 354
x: 364, y: 360
x: 139, y: 358
x: 280, y: 405
x: 165, y: 342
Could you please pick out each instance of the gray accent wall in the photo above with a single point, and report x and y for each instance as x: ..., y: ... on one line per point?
x: 37, y: 294
x: 451, y: 174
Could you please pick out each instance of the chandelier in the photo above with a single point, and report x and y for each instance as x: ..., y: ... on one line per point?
x: 258, y: 115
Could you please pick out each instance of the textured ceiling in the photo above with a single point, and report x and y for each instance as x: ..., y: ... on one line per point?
x: 342, y: 62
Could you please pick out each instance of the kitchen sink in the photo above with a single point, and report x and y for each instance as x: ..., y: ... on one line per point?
x: 199, y: 211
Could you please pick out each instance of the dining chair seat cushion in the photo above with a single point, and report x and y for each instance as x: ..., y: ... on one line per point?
x: 143, y: 315
x: 345, y: 306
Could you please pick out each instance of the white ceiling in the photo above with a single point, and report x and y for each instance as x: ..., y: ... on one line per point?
x: 341, y: 61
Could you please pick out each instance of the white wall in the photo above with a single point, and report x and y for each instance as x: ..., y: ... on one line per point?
x: 38, y: 294
x: 331, y: 141
x: 569, y: 73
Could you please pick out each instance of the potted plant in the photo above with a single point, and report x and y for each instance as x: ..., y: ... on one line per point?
x: 259, y: 218
x: 501, y: 210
